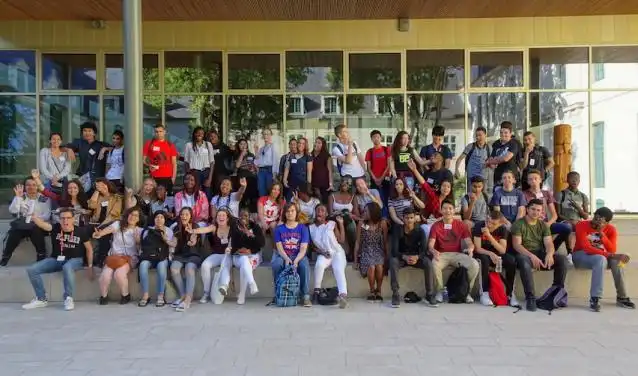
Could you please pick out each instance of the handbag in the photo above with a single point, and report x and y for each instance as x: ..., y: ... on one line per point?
x: 116, y: 261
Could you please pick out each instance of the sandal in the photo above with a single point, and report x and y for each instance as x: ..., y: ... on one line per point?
x: 143, y: 302
x: 160, y: 302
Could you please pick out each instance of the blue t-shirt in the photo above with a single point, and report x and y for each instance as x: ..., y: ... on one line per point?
x: 508, y: 202
x: 428, y: 151
x: 292, y: 239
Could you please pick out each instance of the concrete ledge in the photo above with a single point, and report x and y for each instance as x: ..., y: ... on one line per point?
x: 15, y: 286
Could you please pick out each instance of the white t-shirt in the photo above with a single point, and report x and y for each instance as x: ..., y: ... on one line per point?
x: 188, y: 201
x: 308, y: 208
x: 116, y: 162
x: 323, y: 236
x: 123, y: 242
x: 231, y: 203
x: 353, y: 168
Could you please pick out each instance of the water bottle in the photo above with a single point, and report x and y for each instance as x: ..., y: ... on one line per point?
x: 445, y: 295
x: 499, y: 265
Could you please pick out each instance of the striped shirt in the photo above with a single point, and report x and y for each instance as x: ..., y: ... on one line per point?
x: 199, y: 158
x: 400, y: 204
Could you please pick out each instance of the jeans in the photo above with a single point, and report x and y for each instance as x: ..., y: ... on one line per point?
x: 278, y: 265
x: 161, y: 267
x: 51, y: 265
x: 384, y: 192
x: 202, y: 176
x: 424, y: 263
x: 525, y: 268
x: 211, y: 262
x: 509, y: 266
x: 14, y: 237
x: 598, y: 264
x: 264, y: 180
x: 178, y: 280
x: 562, y: 230
x: 454, y: 259
x: 338, y: 263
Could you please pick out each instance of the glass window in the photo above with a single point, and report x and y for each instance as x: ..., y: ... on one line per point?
x: 254, y: 71
x: 367, y: 112
x: 17, y: 71
x: 550, y: 109
x: 314, y: 71
x: 183, y: 113
x: 192, y: 71
x: 114, y: 71
x: 375, y: 70
x: 615, y: 67
x: 435, y: 70
x: 18, y: 148
x: 321, y: 114
x: 247, y: 114
x: 615, y: 146
x: 490, y: 109
x: 69, y: 72
x: 559, y: 68
x: 295, y: 104
x: 65, y: 114
x: 496, y: 69
x: 114, y: 117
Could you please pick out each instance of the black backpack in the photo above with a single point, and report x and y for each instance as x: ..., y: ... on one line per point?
x: 555, y: 297
x: 154, y: 248
x: 458, y: 285
x: 328, y: 296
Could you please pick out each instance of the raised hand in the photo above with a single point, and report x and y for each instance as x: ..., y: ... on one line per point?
x: 35, y: 173
x: 243, y: 182
x: 18, y: 190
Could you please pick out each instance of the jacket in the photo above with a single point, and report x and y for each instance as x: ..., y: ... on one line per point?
x: 200, y: 208
x: 20, y: 207
x: 114, y: 208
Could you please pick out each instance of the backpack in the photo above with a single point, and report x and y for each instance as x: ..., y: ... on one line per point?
x: 287, y: 287
x: 555, y: 297
x: 497, y: 289
x: 458, y: 285
x: 469, y: 153
x: 339, y: 163
x: 154, y: 248
x: 328, y: 296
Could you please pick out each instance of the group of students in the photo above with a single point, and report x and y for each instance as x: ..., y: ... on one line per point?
x: 232, y: 200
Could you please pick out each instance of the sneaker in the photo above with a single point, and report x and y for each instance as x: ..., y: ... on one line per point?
x: 68, y: 304
x: 306, y: 301
x: 625, y: 303
x: 253, y: 288
x: 431, y: 301
x: 176, y: 303
x: 104, y: 300
x: 241, y: 299
x: 223, y: 290
x: 570, y: 261
x: 378, y: 298
x: 485, y: 299
x: 35, y: 303
x: 439, y: 297
x: 125, y: 299
x: 513, y: 302
x: 343, y: 301
x: 594, y: 304
x: 396, y: 301
x: 205, y: 299
x: 372, y: 298
x: 530, y: 304
x: 4, y: 262
x: 182, y: 307
x: 469, y: 300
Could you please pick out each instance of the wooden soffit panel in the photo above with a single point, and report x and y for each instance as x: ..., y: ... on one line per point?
x: 232, y: 10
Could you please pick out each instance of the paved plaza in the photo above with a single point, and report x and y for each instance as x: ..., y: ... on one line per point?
x: 365, y: 339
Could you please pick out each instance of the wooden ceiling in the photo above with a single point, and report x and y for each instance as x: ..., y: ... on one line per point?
x: 176, y: 10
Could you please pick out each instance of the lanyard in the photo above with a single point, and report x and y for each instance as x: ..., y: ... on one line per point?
x: 62, y: 241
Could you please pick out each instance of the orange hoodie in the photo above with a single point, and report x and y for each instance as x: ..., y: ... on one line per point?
x: 595, y: 242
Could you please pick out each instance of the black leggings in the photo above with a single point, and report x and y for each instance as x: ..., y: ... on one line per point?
x: 14, y: 237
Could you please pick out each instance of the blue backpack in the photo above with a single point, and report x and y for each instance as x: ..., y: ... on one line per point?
x: 555, y: 297
x: 287, y: 287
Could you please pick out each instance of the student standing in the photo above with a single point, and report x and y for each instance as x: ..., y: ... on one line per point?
x: 437, y: 146
x: 160, y: 155
x: 377, y: 162
x: 199, y: 159
x: 505, y: 154
x: 321, y: 176
x: 267, y: 161
x: 475, y: 155
x: 350, y: 161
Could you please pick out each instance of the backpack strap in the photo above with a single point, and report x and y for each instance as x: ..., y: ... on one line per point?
x: 339, y: 163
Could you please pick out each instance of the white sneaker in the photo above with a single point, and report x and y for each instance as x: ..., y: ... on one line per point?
x: 176, y: 303
x: 485, y: 299
x: 205, y: 299
x: 513, y: 301
x: 69, y: 305
x: 570, y: 261
x: 469, y: 300
x: 439, y: 297
x: 35, y: 303
x: 253, y: 288
x: 223, y: 290
x: 241, y: 299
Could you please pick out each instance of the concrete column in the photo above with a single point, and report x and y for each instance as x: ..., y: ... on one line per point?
x: 133, y: 109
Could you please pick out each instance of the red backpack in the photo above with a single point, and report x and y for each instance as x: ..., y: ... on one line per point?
x: 497, y: 290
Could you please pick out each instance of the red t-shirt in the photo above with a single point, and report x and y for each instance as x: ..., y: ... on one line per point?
x: 272, y: 211
x: 378, y: 158
x: 449, y: 237
x: 160, y: 153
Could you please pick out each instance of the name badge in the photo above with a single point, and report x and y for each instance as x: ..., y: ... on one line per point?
x: 203, y: 150
x: 539, y: 195
x: 156, y: 148
x: 447, y: 226
x: 293, y: 161
x: 532, y: 161
x: 430, y: 180
x: 224, y: 241
x: 91, y: 151
x: 62, y: 158
x: 61, y: 258
x: 147, y: 201
x: 250, y: 159
x: 215, y: 152
x: 366, y: 227
x: 105, y: 204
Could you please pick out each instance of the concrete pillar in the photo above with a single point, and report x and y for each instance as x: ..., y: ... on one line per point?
x: 133, y: 109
